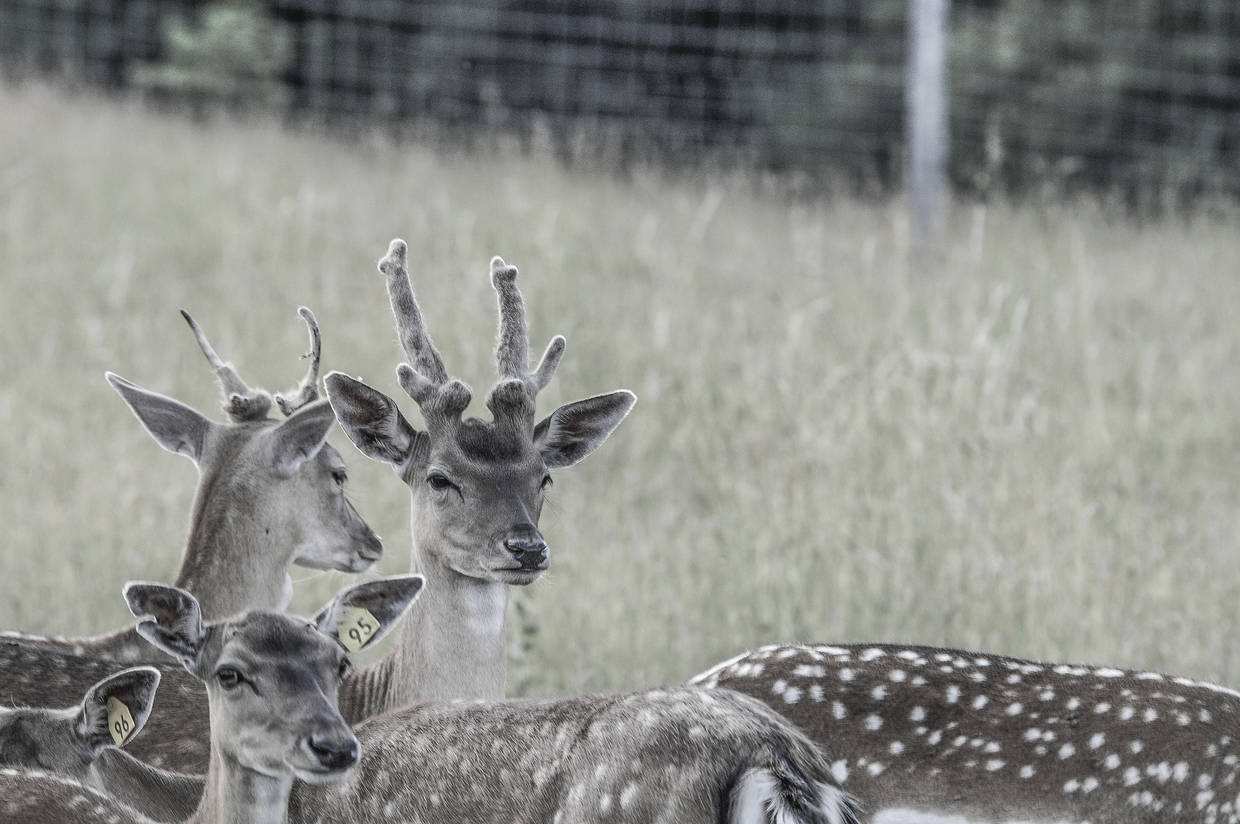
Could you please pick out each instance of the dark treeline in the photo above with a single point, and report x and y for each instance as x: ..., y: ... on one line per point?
x: 1131, y: 95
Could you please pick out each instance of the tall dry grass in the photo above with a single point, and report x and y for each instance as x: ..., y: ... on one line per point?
x: 1033, y: 450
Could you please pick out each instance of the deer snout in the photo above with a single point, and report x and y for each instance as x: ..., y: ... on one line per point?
x: 528, y: 550
x: 334, y: 753
x: 372, y: 545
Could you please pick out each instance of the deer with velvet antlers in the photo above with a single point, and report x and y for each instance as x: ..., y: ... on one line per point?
x: 477, y: 492
x: 270, y: 494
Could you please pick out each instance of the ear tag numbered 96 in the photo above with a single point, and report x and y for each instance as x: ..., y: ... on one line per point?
x: 357, y: 626
x: 120, y: 721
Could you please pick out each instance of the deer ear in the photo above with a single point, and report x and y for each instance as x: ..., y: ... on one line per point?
x: 361, y: 615
x: 576, y: 429
x: 300, y: 438
x: 174, y: 624
x: 370, y: 419
x: 171, y: 423
x: 117, y: 708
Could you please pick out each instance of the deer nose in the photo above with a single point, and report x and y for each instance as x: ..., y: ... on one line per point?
x: 529, y: 552
x: 335, y: 754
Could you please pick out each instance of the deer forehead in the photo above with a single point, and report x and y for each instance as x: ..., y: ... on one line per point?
x: 273, y: 641
x: 486, y: 442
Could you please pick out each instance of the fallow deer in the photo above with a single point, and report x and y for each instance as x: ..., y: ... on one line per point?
x: 81, y: 744
x: 942, y: 736
x: 270, y: 494
x: 477, y: 491
x: 272, y: 683
x: 683, y: 754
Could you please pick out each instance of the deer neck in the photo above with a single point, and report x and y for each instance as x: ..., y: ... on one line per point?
x: 159, y: 794
x: 453, y: 643
x: 235, y: 794
x: 235, y: 559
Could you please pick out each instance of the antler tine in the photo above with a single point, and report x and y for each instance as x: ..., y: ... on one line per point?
x: 308, y: 390
x: 417, y: 387
x: 409, y: 325
x: 548, y: 363
x: 242, y: 403
x: 512, y: 350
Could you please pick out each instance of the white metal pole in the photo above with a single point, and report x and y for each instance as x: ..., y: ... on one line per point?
x: 926, y: 117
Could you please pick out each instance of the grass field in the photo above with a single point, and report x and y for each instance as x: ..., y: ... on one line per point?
x: 1033, y: 451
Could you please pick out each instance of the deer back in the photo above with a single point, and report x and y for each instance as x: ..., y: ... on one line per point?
x: 988, y: 737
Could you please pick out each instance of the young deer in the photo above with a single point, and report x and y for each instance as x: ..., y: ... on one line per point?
x: 943, y: 736
x: 684, y: 755
x: 271, y: 682
x: 270, y: 494
x: 477, y: 488
x: 80, y: 744
x: 678, y: 755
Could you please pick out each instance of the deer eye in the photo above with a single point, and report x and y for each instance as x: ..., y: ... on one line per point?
x: 439, y: 482
x: 546, y: 482
x: 346, y: 667
x: 339, y: 476
x: 229, y: 677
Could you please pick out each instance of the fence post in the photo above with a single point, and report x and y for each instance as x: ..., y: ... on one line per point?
x: 925, y: 106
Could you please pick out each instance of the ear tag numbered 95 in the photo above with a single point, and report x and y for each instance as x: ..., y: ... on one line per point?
x: 120, y: 721
x: 357, y: 626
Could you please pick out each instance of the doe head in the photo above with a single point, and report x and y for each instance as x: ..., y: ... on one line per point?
x: 273, y: 680
x: 67, y: 741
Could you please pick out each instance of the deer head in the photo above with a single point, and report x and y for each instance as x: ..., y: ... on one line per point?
x: 67, y: 741
x: 272, y: 680
x: 267, y: 483
x: 477, y: 485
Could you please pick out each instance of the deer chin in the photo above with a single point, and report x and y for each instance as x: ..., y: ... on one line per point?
x: 516, y: 576
x: 347, y: 559
x: 319, y: 775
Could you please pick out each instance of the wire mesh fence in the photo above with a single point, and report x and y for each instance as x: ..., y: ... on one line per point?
x: 1133, y: 95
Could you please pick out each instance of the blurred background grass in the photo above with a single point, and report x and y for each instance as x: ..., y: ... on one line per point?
x: 1030, y: 449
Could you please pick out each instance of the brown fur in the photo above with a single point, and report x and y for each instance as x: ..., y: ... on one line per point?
x: 991, y: 738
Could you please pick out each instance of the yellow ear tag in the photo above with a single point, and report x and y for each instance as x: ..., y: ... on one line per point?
x: 357, y: 626
x: 120, y: 721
